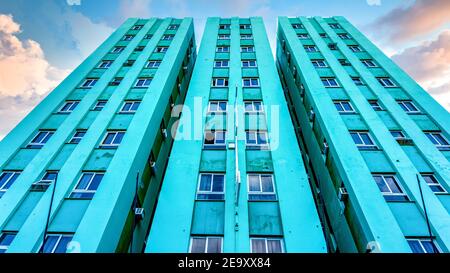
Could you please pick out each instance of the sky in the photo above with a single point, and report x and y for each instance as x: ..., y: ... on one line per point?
x: 41, y: 42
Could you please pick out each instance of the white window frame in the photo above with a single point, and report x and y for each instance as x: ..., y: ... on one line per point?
x: 383, y: 82
x: 223, y: 37
x: 137, y: 27
x: 167, y: 37
x: 145, y: 85
x: 357, y: 81
x: 207, y: 242
x: 105, y: 64
x: 13, y: 173
x: 73, y: 105
x: 245, y: 49
x: 89, y: 83
x: 420, y: 240
x: 303, y: 36
x: 211, y: 189
x: 161, y: 49
x: 220, y: 49
x: 132, y: 104
x: 245, y: 26
x: 224, y: 26
x: 376, y: 107
x: 221, y: 62
x: 246, y: 36
x: 364, y: 145
x: 251, y: 84
x: 218, y: 103
x: 256, y: 132
x: 215, y: 144
x: 340, y: 102
x: 155, y: 64
x: 435, y: 183
x: 438, y: 144
x: 265, y: 241
x: 96, y: 106
x: 297, y: 26
x: 248, y: 63
x: 128, y: 37
x: 319, y: 63
x: 407, y: 109
x: 252, y: 102
x: 369, y: 63
x: 173, y: 27
x: 328, y: 80
x: 148, y: 36
x: 117, y: 49
x: 104, y: 145
x: 260, y: 192
x: 85, y: 190
x: 74, y: 137
x: 344, y: 36
x: 355, y: 48
x: 397, y: 131
x: 214, y: 82
x: 390, y: 193
x: 60, y: 236
x: 41, y: 144
x: 311, y: 48
x: 335, y: 26
x: 5, y: 247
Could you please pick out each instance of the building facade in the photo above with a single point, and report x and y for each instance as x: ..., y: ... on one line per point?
x: 84, y: 168
x: 235, y: 180
x: 376, y: 143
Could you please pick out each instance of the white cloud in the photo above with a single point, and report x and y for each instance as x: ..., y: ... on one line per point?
x: 25, y: 74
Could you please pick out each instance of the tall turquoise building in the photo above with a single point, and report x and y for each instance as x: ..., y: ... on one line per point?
x: 376, y: 143
x: 235, y: 181
x: 84, y: 168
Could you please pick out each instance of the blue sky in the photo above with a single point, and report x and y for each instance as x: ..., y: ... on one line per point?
x: 54, y: 36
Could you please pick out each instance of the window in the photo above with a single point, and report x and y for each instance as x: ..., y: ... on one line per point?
x: 88, y: 83
x: 99, y: 105
x: 211, y: 186
x: 139, y: 48
x: 261, y: 187
x: 335, y: 26
x: 223, y: 49
x: 253, y: 107
x: 56, y: 243
x: 77, y: 137
x: 422, y: 245
x: 68, y: 106
x: 344, y: 36
x: 408, y: 106
x: 161, y: 49
x: 116, y: 81
x: 221, y: 63
x: 7, y: 178
x: 249, y: 63
x: 256, y: 139
x: 438, y: 139
x: 397, y: 134
x: 357, y: 81
x: 319, y: 63
x: 214, y: 139
x: 47, y: 179
x: 369, y: 63
x: 153, y: 64
x: 332, y: 46
x: 330, y: 82
x: 130, y: 106
x: 87, y: 185
x: 172, y: 27
x: 433, y: 183
x: 246, y: 36
x: 245, y: 26
x: 310, y: 48
x: 247, y: 49
x: 389, y: 187
x: 224, y: 37
x: 250, y: 82
x: 297, y: 26
x: 363, y: 140
x: 219, y: 82
x: 128, y: 63
x: 375, y: 105
x: 303, y: 36
x: 355, y: 48
x: 224, y: 26
x: 148, y: 36
x: 117, y: 49
x: 40, y: 139
x: 217, y: 107
x: 167, y: 37
x: 105, y: 64
x: 112, y: 139
x: 128, y: 37
x: 6, y: 239
x: 386, y: 82
x: 143, y: 82
x: 206, y: 244
x: 137, y: 27
x: 266, y: 245
x: 344, y: 106
x: 323, y: 35
x: 344, y: 62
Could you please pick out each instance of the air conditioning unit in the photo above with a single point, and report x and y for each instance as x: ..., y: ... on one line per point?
x: 312, y: 115
x: 164, y: 133
x: 139, y: 213
x: 41, y: 185
x: 404, y: 141
x: 342, y: 194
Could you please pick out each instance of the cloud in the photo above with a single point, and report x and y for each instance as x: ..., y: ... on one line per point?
x: 404, y: 23
x: 25, y: 74
x: 429, y: 64
x: 135, y: 8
